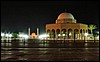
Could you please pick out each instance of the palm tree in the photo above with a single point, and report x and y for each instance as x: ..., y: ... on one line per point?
x: 91, y: 28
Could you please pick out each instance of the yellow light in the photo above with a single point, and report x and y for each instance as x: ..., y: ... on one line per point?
x: 63, y: 34
x: 97, y: 37
x: 86, y: 34
x: 70, y: 34
x: 2, y: 34
x: 58, y: 34
x: 43, y: 36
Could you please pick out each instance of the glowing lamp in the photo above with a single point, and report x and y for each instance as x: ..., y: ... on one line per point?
x: 2, y: 34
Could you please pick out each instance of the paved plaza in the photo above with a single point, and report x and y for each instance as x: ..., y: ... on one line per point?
x: 50, y: 51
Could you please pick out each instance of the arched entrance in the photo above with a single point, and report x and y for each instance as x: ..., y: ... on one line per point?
x: 76, y: 34
x: 48, y: 32
x: 58, y: 33
x: 63, y: 31
x: 53, y: 33
x: 81, y: 34
x: 69, y: 33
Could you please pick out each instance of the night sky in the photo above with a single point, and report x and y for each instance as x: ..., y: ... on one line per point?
x: 19, y: 15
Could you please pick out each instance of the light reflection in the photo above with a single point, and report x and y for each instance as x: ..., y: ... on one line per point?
x: 6, y: 57
x: 2, y: 44
x: 86, y: 41
x: 40, y: 44
x: 25, y: 44
x: 23, y: 51
x: 46, y: 45
x: 7, y: 53
x: 21, y: 44
x: 42, y: 48
x: 29, y: 51
x: 7, y: 48
x: 86, y: 48
x: 86, y: 44
x: 21, y: 58
x: 7, y: 44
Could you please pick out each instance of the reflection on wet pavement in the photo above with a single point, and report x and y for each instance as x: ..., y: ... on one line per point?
x: 50, y: 51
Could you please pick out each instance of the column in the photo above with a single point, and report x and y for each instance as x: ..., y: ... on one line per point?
x: 72, y: 36
x: 66, y: 34
x: 60, y: 34
x: 78, y: 34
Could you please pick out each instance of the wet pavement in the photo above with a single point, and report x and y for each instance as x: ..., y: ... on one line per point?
x: 50, y: 51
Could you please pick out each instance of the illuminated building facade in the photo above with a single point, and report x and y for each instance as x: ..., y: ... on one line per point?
x: 33, y: 35
x: 66, y: 27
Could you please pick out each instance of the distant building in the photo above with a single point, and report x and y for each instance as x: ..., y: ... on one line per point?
x: 66, y: 27
x: 33, y: 35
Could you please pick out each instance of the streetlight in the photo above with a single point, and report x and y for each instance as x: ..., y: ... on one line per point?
x: 58, y: 35
x: 25, y: 36
x: 63, y: 35
x: 97, y: 37
x: 86, y: 34
x: 10, y: 35
x: 2, y: 35
x: 7, y: 35
x: 43, y: 36
x: 70, y: 35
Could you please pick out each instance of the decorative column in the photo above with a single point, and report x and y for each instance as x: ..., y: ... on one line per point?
x: 66, y: 34
x: 72, y: 36
x: 56, y: 35
x: 60, y: 34
x: 78, y: 34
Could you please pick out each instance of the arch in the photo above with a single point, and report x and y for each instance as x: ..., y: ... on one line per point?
x: 57, y: 32
x: 80, y: 30
x: 76, y: 33
x: 63, y: 31
x: 70, y: 30
x: 86, y: 31
x: 69, y: 33
x: 89, y: 31
x: 53, y: 33
x: 83, y: 30
x: 48, y: 32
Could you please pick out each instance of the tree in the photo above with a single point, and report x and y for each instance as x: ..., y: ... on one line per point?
x: 92, y: 27
x: 15, y: 35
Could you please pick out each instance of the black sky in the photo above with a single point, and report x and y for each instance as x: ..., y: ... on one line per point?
x: 19, y: 15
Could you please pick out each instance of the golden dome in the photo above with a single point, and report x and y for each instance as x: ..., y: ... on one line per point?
x: 65, y: 15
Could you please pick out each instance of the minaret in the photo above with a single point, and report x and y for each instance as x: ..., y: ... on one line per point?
x: 37, y: 32
x: 29, y: 32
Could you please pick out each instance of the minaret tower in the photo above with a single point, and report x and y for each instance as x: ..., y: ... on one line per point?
x: 29, y: 32
x: 37, y: 32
